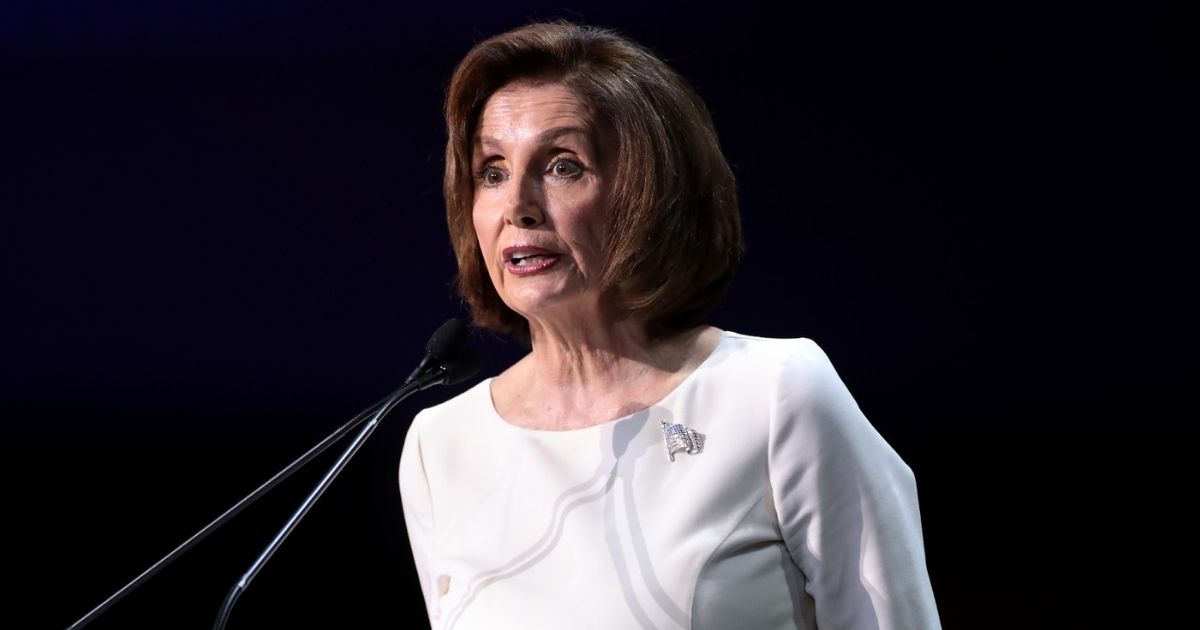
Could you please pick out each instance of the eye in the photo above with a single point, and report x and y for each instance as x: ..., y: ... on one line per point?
x: 565, y: 168
x: 491, y: 176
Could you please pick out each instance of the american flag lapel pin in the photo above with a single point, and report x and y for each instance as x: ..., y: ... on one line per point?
x: 680, y: 438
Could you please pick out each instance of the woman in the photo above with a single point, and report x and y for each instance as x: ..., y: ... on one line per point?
x: 637, y: 469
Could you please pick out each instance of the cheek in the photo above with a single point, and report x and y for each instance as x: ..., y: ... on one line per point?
x: 591, y: 225
x: 482, y: 232
x: 485, y: 236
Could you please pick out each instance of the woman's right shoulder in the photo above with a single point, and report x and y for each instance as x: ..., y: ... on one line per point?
x: 443, y: 436
x: 456, y: 414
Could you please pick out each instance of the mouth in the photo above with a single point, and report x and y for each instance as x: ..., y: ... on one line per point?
x: 525, y: 259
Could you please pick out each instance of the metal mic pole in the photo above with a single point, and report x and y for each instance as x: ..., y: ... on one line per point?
x: 466, y: 365
x: 237, y: 508
x: 248, y: 576
x: 445, y: 342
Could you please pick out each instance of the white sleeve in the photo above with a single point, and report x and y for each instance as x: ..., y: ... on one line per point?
x: 846, y: 504
x: 418, y: 515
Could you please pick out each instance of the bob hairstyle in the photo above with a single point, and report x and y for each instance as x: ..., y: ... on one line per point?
x: 674, y: 225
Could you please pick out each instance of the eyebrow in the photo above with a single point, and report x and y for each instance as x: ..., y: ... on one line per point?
x: 548, y: 135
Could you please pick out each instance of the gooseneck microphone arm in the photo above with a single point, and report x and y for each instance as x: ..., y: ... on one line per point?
x: 444, y: 344
x: 462, y: 367
x: 233, y: 511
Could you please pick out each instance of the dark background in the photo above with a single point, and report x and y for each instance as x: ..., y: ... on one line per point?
x: 222, y: 236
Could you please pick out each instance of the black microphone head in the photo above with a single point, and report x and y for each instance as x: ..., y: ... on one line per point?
x: 462, y: 367
x: 448, y: 339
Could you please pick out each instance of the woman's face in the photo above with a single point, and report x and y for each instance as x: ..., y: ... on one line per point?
x: 541, y: 202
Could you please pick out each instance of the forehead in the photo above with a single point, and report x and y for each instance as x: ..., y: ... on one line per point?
x: 524, y: 111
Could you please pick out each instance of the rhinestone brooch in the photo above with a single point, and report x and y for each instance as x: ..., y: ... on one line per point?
x: 680, y: 438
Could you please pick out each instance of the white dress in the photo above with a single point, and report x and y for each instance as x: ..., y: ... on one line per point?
x: 795, y: 513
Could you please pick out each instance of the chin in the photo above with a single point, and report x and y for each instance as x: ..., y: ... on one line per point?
x: 536, y: 304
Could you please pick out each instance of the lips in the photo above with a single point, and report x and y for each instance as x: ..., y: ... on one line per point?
x: 523, y: 260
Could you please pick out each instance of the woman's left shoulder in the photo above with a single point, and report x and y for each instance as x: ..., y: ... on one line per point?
x: 796, y: 355
x: 797, y: 370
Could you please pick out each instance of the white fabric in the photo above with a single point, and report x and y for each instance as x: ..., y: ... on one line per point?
x: 796, y: 514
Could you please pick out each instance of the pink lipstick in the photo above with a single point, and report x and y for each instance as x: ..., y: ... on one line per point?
x: 523, y: 260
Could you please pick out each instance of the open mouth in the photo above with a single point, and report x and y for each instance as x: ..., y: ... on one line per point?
x: 526, y: 259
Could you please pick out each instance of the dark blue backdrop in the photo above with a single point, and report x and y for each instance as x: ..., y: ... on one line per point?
x: 222, y: 236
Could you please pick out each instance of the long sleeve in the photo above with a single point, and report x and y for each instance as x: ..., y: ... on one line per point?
x: 846, y: 504
x: 418, y: 515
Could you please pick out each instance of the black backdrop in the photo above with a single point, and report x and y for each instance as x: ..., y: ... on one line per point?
x: 222, y: 236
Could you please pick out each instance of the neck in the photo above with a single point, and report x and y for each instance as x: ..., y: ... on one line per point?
x: 588, y: 357
x: 581, y: 375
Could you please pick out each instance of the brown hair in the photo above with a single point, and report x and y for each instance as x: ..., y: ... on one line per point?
x: 674, y: 223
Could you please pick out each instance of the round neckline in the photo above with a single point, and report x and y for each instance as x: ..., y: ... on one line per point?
x: 491, y: 403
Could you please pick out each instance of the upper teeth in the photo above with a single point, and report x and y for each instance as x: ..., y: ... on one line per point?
x: 524, y: 258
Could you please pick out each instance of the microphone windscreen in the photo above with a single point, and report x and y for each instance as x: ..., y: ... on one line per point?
x: 447, y: 340
x: 462, y: 367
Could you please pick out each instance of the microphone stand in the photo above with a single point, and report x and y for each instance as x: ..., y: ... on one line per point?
x: 388, y: 402
x: 437, y: 376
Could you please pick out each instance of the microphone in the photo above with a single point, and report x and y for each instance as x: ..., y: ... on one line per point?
x: 444, y: 344
x: 450, y: 365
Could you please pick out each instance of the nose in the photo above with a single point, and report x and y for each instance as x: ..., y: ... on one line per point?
x: 526, y: 203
